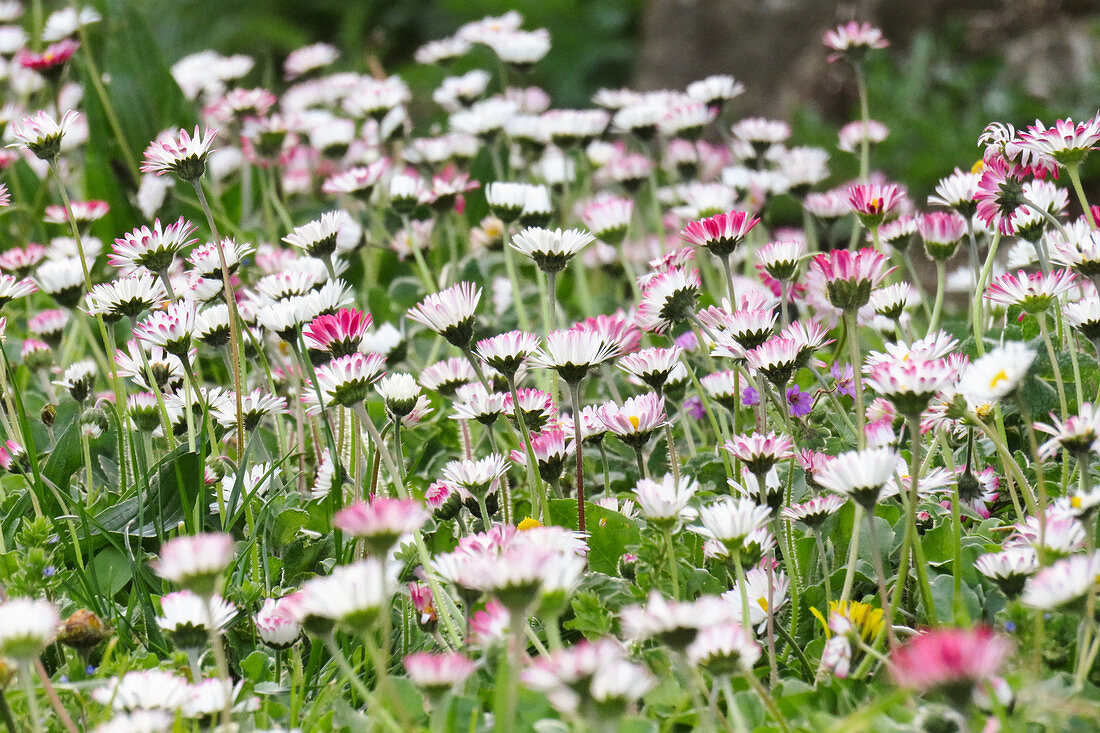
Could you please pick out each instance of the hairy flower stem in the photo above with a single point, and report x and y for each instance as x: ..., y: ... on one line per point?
x: 513, y: 662
x: 978, y: 320
x: 880, y: 575
x: 517, y: 294
x: 116, y: 382
x: 743, y: 587
x: 218, y: 650
x: 575, y: 394
x: 234, y: 317
x: 353, y: 678
x: 941, y: 285
x: 865, y: 117
x: 769, y: 703
x: 540, y: 497
x: 26, y: 676
x: 851, y: 327
x: 673, y: 460
x: 853, y: 556
x: 673, y: 571
x: 823, y: 560
x: 1044, y: 329
x: 1074, y: 172
x: 728, y: 270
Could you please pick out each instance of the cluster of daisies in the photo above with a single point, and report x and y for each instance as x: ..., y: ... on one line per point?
x: 624, y: 443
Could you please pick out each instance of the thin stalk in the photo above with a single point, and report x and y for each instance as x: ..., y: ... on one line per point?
x: 880, y: 574
x: 234, y: 317
x: 1075, y: 178
x: 941, y: 285
x: 728, y: 270
x: 853, y: 555
x: 670, y: 552
x: 824, y: 561
x: 575, y: 394
x: 345, y: 667
x: 851, y: 327
x: 978, y: 322
x: 26, y: 676
x: 1044, y: 329
x: 743, y: 588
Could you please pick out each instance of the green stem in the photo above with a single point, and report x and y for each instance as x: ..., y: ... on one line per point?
x: 979, y: 288
x: 1075, y: 178
x: 670, y: 551
x: 853, y: 555
x: 26, y: 675
x: 851, y: 326
x: 941, y: 285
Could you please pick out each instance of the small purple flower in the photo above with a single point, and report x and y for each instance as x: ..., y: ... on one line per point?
x: 687, y: 341
x: 844, y: 379
x: 800, y: 402
x: 49, y: 571
x: 750, y: 397
x: 694, y: 406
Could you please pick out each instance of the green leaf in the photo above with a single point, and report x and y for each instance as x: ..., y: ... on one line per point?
x: 591, y: 616
x: 112, y: 569
x: 65, y: 458
x: 255, y: 666
x: 163, y: 505
x: 609, y: 532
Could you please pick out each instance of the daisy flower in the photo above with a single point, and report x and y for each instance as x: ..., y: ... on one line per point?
x: 669, y: 298
x: 450, y: 313
x: 551, y: 250
x: 1065, y: 142
x: 1034, y: 292
x: 652, y: 366
x: 665, y: 503
x: 636, y: 420
x: 860, y: 475
x: 42, y: 135
x: 814, y: 512
x: 507, y: 351
x: 381, y: 521
x: 27, y: 626
x: 720, y: 234
x: 436, y: 674
x: 1079, y: 434
x: 344, y: 381
x: 953, y: 661
x: 152, y: 249
x: 196, y: 561
x: 941, y: 231
x: 849, y: 277
x: 852, y: 41
x: 1009, y: 569
x: 572, y: 353
x: 675, y: 624
x: 318, y: 237
x: 185, y: 156
x: 872, y: 202
x: 188, y: 618
x: 724, y: 650
x: 760, y: 452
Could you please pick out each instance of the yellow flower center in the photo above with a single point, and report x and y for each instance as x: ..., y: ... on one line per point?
x: 763, y: 603
x: 634, y: 421
x: 1075, y: 502
x: 977, y: 167
x: 528, y: 523
x: 999, y: 377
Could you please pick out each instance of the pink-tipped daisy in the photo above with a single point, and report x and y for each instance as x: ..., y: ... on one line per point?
x: 344, y: 381
x: 1033, y: 292
x: 41, y: 134
x: 852, y: 41
x: 185, y: 156
x: 669, y: 298
x: 849, y: 277
x: 450, y: 313
x: 381, y: 521
x: 872, y: 202
x: 720, y: 234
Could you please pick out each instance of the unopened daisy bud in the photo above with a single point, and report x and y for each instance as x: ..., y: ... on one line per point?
x: 93, y: 422
x: 142, y: 408
x: 26, y: 627
x: 82, y: 631
x: 185, y: 156
x: 506, y: 199
x: 275, y: 627
x: 399, y: 392
x: 42, y: 135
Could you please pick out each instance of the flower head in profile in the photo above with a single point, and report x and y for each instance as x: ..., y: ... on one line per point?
x: 849, y: 277
x: 636, y: 420
x: 318, y: 238
x: 185, y: 156
x: 345, y: 381
x: 26, y: 627
x: 1034, y: 292
x: 669, y: 298
x: 951, y: 661
x: 450, y: 313
x: 720, y: 234
x: 196, y: 561
x: 1066, y: 142
x: 41, y: 134
x: 438, y: 673
x: 941, y: 231
x: 860, y: 475
x: 852, y: 41
x: 665, y: 503
x: 871, y: 202
x: 381, y: 521
x: 572, y: 352
x: 724, y: 650
x: 551, y: 249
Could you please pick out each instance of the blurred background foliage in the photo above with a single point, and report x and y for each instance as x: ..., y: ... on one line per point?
x: 934, y: 90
